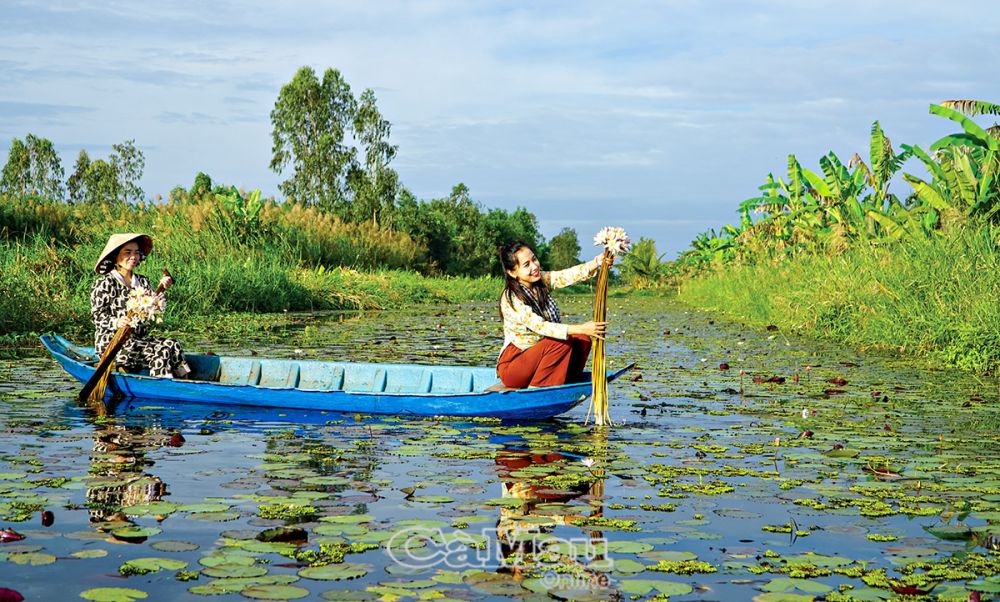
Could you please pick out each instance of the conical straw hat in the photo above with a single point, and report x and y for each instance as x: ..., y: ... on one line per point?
x: 106, y: 260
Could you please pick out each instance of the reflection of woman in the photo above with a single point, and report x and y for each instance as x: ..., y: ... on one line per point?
x: 117, y: 471
x: 538, y: 349
x: 518, y: 534
x: 108, y: 298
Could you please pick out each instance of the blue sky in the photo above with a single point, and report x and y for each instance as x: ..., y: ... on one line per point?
x: 659, y: 117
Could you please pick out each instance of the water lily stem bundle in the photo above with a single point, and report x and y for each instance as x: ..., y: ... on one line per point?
x: 121, y: 335
x: 599, y: 375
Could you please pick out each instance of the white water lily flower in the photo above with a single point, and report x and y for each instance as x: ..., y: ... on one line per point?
x: 613, y: 239
x: 588, y: 462
x: 805, y: 412
x: 144, y: 305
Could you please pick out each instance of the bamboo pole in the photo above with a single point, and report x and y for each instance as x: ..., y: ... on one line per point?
x: 598, y: 368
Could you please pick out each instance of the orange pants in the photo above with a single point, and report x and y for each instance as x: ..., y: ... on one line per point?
x: 546, y: 363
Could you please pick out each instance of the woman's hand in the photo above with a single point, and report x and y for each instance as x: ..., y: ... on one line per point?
x: 122, y: 322
x: 605, y: 254
x: 591, y: 329
x: 166, y: 282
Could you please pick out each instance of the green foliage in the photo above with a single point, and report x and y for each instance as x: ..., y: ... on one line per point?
x: 47, y: 252
x: 311, y: 120
x: 202, y: 186
x: 115, y: 180
x: 929, y: 296
x: 374, y: 185
x: 33, y: 168
x: 642, y: 267
x: 238, y: 217
x: 461, y: 238
x: 564, y: 250
x: 851, y: 205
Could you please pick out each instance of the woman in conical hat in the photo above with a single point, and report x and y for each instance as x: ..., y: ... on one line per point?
x: 116, y: 265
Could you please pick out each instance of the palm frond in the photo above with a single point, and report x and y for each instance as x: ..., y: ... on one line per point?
x: 972, y: 107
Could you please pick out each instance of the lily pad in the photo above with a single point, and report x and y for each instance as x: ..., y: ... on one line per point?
x: 336, y: 572
x: 641, y: 587
x: 275, y: 592
x: 238, y: 584
x: 113, y: 594
x: 842, y: 452
x: 135, y: 533
x: 628, y: 547
x: 783, y: 597
x: 957, y: 532
x: 31, y: 558
x: 174, y: 546
x: 783, y: 584
x: 234, y: 570
x: 348, y: 518
x: 142, y: 566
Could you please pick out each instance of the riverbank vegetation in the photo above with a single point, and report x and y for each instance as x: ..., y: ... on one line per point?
x: 836, y: 253
x: 347, y: 235
x: 298, y: 259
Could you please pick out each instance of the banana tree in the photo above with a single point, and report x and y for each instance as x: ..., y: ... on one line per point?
x: 965, y: 166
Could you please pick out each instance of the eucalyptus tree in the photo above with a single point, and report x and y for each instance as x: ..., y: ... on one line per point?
x: 115, y: 180
x: 311, y: 120
x: 32, y: 168
x: 374, y: 185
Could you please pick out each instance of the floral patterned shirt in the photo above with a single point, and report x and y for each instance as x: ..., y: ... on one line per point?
x: 107, y: 304
x: 522, y: 327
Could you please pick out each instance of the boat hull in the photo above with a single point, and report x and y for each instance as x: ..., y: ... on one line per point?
x: 522, y: 404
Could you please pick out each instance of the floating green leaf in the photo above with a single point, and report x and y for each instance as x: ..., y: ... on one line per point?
x: 335, y: 572
x: 113, y: 594
x: 275, y: 592
x: 642, y: 587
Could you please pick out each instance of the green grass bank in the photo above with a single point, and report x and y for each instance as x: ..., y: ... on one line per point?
x: 45, y: 285
x: 937, y: 297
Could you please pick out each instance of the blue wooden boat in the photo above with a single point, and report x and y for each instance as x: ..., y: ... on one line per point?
x: 409, y: 389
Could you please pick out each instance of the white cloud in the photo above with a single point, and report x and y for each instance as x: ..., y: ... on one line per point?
x: 574, y: 105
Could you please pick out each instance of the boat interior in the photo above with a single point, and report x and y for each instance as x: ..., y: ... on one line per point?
x: 313, y: 375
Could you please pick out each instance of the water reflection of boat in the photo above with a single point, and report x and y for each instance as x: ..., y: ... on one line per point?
x: 334, y: 386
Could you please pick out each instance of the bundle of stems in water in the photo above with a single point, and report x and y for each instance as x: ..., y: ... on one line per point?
x: 598, y: 368
x: 121, y: 335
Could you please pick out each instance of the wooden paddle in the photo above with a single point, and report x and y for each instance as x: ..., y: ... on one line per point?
x: 108, y: 358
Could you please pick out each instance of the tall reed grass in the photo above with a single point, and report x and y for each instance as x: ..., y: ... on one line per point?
x: 936, y: 297
x: 296, y: 259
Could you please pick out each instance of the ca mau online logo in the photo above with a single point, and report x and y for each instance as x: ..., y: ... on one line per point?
x: 420, y: 547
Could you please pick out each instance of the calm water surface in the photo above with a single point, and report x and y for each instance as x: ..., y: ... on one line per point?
x: 713, y: 487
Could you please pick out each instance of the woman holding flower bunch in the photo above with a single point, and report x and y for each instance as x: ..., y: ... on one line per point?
x: 538, y: 349
x: 110, y: 306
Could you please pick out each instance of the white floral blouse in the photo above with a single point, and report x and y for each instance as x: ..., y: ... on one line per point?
x: 522, y: 327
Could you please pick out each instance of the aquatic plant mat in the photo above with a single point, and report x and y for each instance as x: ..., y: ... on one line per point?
x: 859, y: 477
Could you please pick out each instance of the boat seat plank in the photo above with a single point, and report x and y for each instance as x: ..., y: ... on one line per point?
x: 279, y: 375
x: 240, y: 372
x: 318, y: 377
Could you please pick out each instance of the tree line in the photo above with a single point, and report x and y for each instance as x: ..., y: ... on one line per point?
x: 335, y: 154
